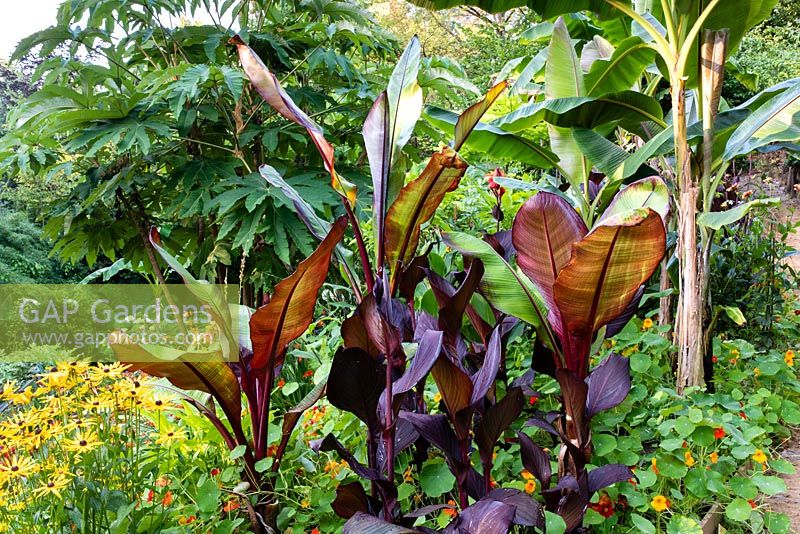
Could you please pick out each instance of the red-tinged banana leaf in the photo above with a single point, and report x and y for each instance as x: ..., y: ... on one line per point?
x: 415, y: 205
x: 368, y: 330
x: 198, y: 371
x: 505, y: 287
x: 455, y: 387
x: 206, y: 293
x: 497, y: 419
x: 386, y: 131
x: 473, y: 114
x: 604, y: 274
x: 291, y: 308
x: 649, y: 192
x: 270, y: 89
x: 544, y: 231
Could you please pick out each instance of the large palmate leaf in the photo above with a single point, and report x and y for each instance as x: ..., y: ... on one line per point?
x: 622, y: 70
x: 270, y: 89
x: 386, y: 131
x: 634, y: 111
x: 777, y: 119
x: 291, y: 308
x: 416, y: 204
x: 607, y: 268
x: 545, y: 229
x: 489, y: 139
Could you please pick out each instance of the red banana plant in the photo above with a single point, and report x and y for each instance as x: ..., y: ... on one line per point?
x: 576, y: 286
x: 246, y: 365
x: 371, y: 375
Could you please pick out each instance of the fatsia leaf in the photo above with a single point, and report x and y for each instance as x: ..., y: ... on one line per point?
x: 649, y: 192
x: 355, y: 383
x: 496, y: 420
x: 270, y: 89
x: 606, y: 270
x: 609, y: 384
x: 535, y: 460
x: 545, y: 229
x: 291, y: 307
x: 416, y: 204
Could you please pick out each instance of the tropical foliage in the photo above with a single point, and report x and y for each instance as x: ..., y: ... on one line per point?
x: 485, y: 354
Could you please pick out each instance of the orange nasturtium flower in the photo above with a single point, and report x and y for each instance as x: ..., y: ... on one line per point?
x: 760, y: 457
x: 789, y: 358
x: 660, y: 503
x: 452, y: 512
x: 653, y: 466
x: 714, y: 457
x: 719, y: 433
x: 647, y: 323
x: 688, y: 459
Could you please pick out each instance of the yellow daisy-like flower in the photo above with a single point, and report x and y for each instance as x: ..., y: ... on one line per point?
x: 714, y: 457
x: 170, y: 436
x: 688, y: 459
x: 647, y: 324
x: 83, y: 442
x: 17, y: 467
x: 659, y: 503
x: 52, y: 487
x: 112, y: 371
x: 759, y: 456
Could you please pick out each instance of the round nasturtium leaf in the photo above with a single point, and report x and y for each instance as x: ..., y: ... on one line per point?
x: 680, y: 524
x: 436, y: 478
x: 738, y: 510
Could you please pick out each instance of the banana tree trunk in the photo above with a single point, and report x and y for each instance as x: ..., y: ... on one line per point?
x: 691, y: 303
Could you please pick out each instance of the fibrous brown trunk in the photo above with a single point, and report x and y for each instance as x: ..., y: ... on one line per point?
x: 690, y: 313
